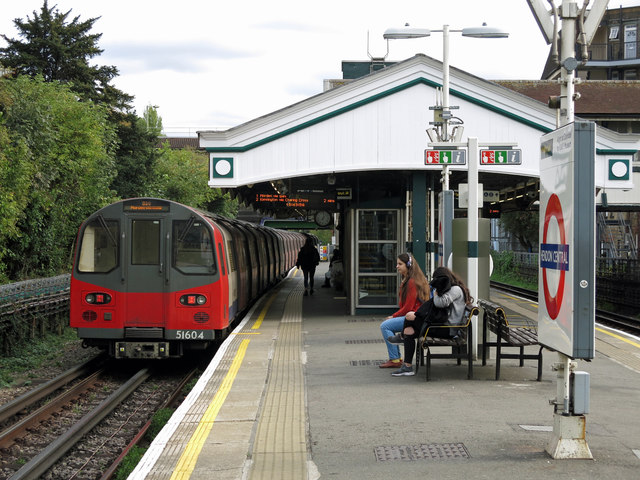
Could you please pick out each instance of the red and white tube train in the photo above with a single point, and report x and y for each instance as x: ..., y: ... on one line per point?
x: 156, y: 279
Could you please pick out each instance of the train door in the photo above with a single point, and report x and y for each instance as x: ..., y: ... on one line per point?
x: 146, y: 269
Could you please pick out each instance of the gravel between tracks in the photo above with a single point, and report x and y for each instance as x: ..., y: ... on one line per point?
x: 69, y: 356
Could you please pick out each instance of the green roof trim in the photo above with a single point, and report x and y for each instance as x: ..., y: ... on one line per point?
x: 373, y: 98
x: 608, y: 151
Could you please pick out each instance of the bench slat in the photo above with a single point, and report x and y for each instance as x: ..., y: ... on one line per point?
x: 508, y: 336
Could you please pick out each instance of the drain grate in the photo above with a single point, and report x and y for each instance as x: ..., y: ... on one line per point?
x: 365, y: 363
x: 446, y: 451
x: 357, y: 342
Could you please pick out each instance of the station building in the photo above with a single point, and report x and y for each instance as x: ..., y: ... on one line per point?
x: 352, y: 158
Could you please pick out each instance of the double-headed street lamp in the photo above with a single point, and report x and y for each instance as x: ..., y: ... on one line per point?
x: 408, y: 32
x: 442, y: 123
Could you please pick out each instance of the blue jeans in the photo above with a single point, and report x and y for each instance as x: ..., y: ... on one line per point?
x: 389, y: 328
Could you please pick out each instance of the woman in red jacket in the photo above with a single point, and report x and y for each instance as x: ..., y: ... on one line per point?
x: 413, y: 290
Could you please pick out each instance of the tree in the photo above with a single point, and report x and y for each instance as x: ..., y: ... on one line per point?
x: 59, y: 50
x: 135, y: 157
x: 181, y: 175
x: 524, y: 225
x: 152, y: 121
x: 56, y: 167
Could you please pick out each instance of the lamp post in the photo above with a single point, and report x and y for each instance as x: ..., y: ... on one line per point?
x: 442, y: 123
x: 408, y: 32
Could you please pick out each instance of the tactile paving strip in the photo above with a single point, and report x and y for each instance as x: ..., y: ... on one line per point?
x: 446, y: 451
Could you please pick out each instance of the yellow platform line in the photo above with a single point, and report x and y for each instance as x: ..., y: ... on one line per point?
x: 619, y: 337
x: 263, y: 312
x: 189, y: 457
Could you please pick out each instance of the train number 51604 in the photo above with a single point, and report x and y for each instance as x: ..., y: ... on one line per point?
x: 189, y: 335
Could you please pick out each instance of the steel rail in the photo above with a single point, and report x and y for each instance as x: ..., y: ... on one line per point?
x: 32, y: 396
x: 630, y: 324
x: 39, y: 464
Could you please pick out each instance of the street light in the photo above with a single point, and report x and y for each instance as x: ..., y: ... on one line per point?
x: 408, y: 32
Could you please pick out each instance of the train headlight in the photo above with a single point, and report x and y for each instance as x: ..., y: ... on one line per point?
x: 193, y: 299
x: 97, y: 298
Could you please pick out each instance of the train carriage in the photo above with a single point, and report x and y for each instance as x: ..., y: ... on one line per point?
x: 153, y: 278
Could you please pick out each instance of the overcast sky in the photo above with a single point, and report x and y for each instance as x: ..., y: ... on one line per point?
x: 215, y: 64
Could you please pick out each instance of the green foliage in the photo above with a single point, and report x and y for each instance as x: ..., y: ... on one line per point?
x: 131, y: 459
x: 505, y: 270
x: 182, y: 175
x: 136, y: 156
x: 158, y: 421
x: 58, y: 157
x: 33, y: 354
x: 151, y: 120
x: 134, y: 455
x: 60, y: 50
x: 524, y: 225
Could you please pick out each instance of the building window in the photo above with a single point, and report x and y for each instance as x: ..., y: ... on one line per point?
x: 613, y: 32
x: 630, y: 74
x: 630, y: 41
x: 615, y: 75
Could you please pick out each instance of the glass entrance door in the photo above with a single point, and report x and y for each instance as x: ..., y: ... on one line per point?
x: 377, y: 247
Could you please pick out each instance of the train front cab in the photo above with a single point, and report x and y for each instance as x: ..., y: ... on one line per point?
x: 150, y: 280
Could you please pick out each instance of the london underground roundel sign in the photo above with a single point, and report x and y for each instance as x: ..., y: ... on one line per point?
x: 554, y: 256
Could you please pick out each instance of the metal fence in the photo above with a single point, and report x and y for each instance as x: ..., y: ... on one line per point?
x: 31, y: 308
x: 617, y: 280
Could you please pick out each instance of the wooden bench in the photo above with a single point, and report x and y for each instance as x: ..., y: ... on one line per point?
x: 436, y: 336
x: 508, y: 335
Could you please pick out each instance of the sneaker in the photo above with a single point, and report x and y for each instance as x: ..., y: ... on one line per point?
x: 306, y: 292
x: 391, y: 363
x: 311, y: 291
x: 404, y: 371
x: 398, y: 338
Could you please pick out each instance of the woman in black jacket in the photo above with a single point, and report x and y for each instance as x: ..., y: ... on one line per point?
x: 308, y: 259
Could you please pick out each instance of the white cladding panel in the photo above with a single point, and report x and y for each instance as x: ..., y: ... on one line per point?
x: 379, y: 122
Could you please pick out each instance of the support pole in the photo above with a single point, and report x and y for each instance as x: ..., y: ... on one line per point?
x: 472, y: 234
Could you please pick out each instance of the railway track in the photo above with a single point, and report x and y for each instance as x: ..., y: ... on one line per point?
x: 84, y: 431
x: 615, y: 320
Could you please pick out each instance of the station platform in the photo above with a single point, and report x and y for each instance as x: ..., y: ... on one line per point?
x: 296, y: 393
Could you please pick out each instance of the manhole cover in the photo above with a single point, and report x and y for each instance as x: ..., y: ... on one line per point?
x: 444, y: 451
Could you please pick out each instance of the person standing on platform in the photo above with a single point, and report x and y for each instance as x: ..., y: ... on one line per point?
x: 450, y: 298
x: 414, y: 289
x: 308, y: 260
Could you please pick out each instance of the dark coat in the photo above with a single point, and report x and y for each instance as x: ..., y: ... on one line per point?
x: 308, y: 257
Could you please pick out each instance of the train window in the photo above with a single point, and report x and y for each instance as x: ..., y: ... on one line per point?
x: 145, y: 242
x: 193, y: 248
x: 231, y: 257
x: 98, y: 251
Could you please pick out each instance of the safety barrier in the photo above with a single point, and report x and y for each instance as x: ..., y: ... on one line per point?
x: 32, y: 307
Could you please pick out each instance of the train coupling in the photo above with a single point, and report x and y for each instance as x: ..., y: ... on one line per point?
x: 142, y: 350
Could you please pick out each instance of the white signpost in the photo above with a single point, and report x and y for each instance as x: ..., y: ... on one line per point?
x: 566, y: 280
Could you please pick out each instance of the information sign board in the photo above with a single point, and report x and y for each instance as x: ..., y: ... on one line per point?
x: 501, y: 157
x: 445, y: 157
x: 566, y: 277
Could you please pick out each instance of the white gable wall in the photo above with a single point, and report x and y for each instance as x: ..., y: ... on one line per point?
x: 378, y: 123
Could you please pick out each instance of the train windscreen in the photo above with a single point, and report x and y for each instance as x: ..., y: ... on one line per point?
x: 193, y: 248
x: 99, y: 246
